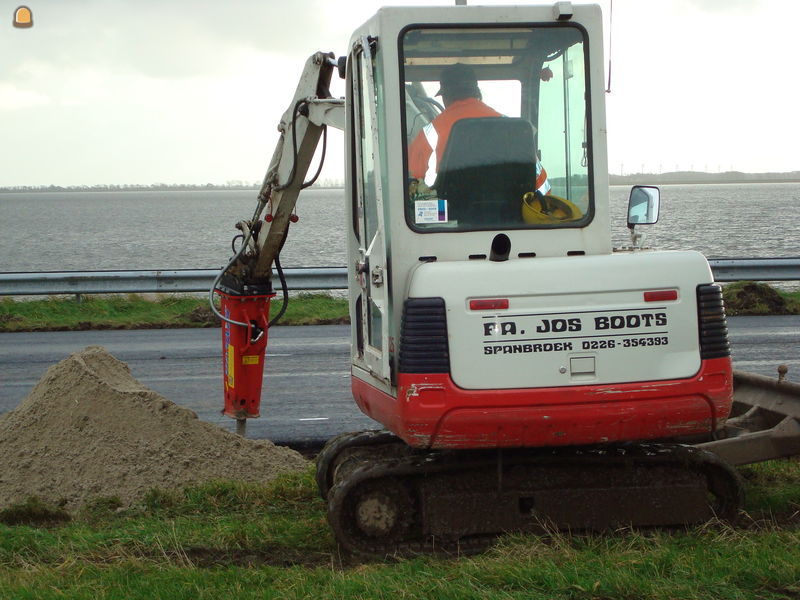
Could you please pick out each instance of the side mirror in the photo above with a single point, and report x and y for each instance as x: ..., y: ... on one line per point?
x: 643, y: 205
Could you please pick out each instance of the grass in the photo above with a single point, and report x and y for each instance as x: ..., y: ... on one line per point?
x: 133, y: 311
x: 246, y: 541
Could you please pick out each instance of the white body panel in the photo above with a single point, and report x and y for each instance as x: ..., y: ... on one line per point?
x: 571, y: 321
x: 403, y: 246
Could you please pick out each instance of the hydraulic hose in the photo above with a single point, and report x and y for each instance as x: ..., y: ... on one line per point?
x: 294, y: 147
x: 262, y: 202
x: 282, y: 277
x: 284, y: 289
x: 216, y: 283
x: 293, y: 172
x: 311, y: 181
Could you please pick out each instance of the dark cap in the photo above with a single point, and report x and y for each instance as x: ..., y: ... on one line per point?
x: 458, y: 81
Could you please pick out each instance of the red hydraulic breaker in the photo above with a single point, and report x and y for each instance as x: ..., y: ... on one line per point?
x: 243, y: 350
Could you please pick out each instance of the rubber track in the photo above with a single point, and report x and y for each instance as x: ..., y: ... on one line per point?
x: 723, y: 477
x: 336, y: 445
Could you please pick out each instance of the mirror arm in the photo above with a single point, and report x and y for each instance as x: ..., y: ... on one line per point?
x: 636, y: 238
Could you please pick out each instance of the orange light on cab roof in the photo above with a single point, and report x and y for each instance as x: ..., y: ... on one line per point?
x: 23, y: 17
x: 488, y: 304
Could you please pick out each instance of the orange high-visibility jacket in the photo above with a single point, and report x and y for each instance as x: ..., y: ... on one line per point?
x: 421, y: 157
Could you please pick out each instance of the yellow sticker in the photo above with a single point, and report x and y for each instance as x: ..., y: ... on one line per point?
x: 250, y: 360
x: 231, y: 363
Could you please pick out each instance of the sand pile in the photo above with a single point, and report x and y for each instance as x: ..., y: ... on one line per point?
x: 89, y: 429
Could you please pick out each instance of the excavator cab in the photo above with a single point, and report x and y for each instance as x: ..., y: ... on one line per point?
x: 534, y: 67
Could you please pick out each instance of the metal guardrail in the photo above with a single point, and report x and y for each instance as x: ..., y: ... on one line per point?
x: 146, y: 282
x: 314, y: 278
x: 755, y: 269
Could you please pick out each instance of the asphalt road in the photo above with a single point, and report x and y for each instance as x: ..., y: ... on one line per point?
x: 306, y: 397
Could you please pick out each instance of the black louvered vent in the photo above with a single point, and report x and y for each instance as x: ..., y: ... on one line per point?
x: 711, y: 319
x: 423, y: 337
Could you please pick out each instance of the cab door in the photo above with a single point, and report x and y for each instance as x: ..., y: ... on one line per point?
x: 370, y: 264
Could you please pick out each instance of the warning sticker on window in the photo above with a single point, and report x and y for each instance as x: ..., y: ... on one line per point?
x: 430, y: 211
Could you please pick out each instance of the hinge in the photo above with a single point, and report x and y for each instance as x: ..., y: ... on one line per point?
x: 377, y: 277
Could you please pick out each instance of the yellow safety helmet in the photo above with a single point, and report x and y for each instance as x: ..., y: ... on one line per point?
x: 538, y: 209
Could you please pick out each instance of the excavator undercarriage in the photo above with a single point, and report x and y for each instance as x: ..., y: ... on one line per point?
x: 387, y: 498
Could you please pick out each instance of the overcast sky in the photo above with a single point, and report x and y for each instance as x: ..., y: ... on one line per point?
x: 190, y: 91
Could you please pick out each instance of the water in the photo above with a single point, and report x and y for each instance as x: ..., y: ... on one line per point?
x: 719, y: 220
x: 155, y: 230
x: 61, y: 231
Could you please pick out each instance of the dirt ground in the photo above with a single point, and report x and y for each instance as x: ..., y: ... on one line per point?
x: 752, y: 298
x: 89, y: 429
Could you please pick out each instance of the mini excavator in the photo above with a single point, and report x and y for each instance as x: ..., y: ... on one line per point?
x: 528, y: 375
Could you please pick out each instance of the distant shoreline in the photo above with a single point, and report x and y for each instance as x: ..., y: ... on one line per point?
x: 697, y: 177
x: 677, y: 177
x: 142, y: 188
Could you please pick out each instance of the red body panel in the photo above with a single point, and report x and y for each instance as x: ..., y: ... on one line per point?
x: 430, y: 411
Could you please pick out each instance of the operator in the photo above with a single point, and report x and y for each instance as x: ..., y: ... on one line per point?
x: 462, y: 100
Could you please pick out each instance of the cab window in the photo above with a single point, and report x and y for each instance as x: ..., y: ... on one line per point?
x: 496, y: 125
